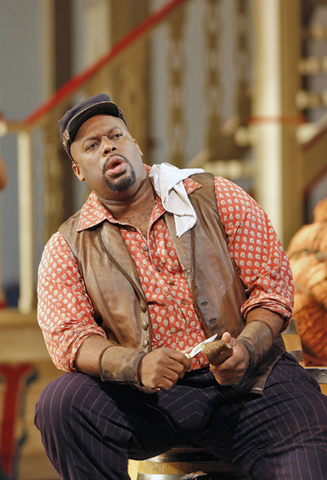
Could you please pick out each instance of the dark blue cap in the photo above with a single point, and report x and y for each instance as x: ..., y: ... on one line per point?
x: 76, y: 116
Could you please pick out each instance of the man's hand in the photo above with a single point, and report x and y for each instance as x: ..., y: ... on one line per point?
x: 163, y: 367
x: 232, y: 370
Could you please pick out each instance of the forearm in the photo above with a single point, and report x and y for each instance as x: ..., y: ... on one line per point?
x: 272, y: 319
x: 97, y: 356
x: 87, y: 357
x: 261, y: 329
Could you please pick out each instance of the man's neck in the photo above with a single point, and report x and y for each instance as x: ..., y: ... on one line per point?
x: 132, y: 207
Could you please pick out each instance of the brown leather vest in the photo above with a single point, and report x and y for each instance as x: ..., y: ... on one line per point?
x: 114, y: 287
x: 112, y: 281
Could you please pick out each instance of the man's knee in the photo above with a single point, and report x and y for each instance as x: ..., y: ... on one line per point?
x: 57, y: 401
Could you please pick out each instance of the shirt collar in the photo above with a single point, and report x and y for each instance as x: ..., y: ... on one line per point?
x: 94, y: 212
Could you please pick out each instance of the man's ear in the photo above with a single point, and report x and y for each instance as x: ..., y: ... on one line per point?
x: 141, y: 153
x: 78, y: 172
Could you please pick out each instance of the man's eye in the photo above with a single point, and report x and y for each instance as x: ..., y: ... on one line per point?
x: 91, y: 146
x: 117, y: 135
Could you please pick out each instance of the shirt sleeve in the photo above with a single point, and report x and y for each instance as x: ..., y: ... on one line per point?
x: 65, y: 312
x: 256, y: 250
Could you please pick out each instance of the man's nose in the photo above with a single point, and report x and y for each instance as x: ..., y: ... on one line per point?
x: 107, y: 146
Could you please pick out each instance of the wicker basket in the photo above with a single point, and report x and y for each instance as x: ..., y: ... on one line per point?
x: 308, y: 257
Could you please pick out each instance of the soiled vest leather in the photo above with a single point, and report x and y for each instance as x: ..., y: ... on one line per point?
x: 113, y: 284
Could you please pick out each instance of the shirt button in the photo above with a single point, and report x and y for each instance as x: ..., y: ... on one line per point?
x: 143, y: 308
x: 145, y: 248
x: 145, y: 343
x: 145, y: 325
x: 184, y: 302
x: 158, y: 269
x: 171, y: 282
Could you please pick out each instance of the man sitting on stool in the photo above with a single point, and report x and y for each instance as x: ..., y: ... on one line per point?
x: 157, y: 260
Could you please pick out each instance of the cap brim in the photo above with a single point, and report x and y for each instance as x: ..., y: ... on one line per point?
x: 101, y: 108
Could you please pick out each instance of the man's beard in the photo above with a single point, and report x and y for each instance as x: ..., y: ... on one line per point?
x: 124, y: 184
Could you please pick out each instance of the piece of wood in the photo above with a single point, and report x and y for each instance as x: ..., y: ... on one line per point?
x: 217, y: 352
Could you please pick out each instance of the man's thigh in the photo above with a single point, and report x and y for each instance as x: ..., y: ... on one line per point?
x: 76, y: 406
x: 288, y: 423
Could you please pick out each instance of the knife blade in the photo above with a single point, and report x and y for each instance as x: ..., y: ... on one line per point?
x: 197, y: 349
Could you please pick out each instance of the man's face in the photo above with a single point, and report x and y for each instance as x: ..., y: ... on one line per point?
x: 108, y: 158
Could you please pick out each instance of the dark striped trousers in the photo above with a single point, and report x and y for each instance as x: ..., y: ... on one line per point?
x: 89, y: 428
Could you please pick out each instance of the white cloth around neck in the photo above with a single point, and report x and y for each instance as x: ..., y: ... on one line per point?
x: 167, y: 181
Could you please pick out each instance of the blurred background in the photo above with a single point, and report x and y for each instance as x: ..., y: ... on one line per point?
x: 237, y: 87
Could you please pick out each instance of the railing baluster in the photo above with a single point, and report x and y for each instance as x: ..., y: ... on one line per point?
x: 213, y: 87
x: 176, y: 65
x: 26, y: 222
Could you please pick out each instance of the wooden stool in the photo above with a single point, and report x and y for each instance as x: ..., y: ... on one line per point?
x: 184, y: 463
x: 320, y: 375
x: 292, y: 340
x: 293, y: 345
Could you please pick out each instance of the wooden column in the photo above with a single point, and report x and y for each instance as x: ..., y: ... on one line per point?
x: 275, y: 115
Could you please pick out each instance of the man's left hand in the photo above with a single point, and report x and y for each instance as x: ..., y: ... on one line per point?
x: 232, y: 370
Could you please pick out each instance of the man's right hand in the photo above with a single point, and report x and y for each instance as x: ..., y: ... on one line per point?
x: 163, y: 367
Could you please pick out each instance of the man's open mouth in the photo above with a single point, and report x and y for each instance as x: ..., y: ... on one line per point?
x: 116, y: 166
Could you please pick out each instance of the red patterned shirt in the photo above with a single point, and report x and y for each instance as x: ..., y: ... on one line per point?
x: 65, y: 312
